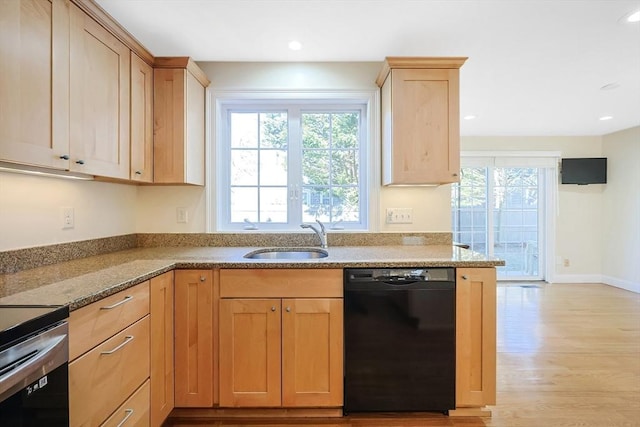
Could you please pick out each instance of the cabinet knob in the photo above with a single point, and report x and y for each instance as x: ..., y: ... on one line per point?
x: 465, y: 277
x: 273, y: 308
x: 288, y: 309
x: 455, y: 174
x: 64, y: 157
x: 80, y: 162
x: 138, y: 172
x: 203, y: 279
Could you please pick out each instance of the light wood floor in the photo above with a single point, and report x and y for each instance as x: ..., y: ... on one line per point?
x: 568, y: 355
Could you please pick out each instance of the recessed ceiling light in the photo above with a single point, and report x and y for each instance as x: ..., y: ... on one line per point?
x: 610, y: 86
x: 634, y: 17
x: 603, y: 118
x: 469, y: 117
x: 295, y: 45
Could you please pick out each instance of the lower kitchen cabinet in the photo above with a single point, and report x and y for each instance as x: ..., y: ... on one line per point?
x: 194, y: 338
x: 104, y: 377
x: 312, y: 347
x: 280, y: 346
x: 161, y: 374
x: 250, y: 368
x: 134, y: 412
x: 109, y: 355
x: 475, y: 337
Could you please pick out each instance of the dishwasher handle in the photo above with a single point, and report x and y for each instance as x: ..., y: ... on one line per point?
x: 397, y: 282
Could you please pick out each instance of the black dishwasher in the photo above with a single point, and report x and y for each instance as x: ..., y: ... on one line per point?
x: 399, y: 338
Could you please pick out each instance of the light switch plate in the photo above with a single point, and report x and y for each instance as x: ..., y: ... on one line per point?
x: 182, y: 215
x: 68, y: 218
x: 399, y: 216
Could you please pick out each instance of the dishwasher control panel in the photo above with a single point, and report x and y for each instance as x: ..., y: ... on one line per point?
x: 411, y: 274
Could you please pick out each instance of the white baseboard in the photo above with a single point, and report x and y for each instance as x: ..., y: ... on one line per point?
x: 577, y: 278
x: 622, y: 284
x: 597, y: 278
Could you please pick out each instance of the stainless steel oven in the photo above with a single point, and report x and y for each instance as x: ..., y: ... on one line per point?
x: 34, y: 355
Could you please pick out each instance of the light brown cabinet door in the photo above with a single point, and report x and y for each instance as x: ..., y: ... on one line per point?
x: 420, y: 126
x: 475, y: 337
x: 34, y: 82
x: 99, y: 99
x: 141, y: 120
x: 179, y: 127
x: 162, y: 379
x: 312, y: 360
x: 194, y: 338
x: 250, y: 345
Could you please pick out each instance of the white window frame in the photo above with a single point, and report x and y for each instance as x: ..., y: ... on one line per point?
x: 218, y: 188
x: 548, y: 160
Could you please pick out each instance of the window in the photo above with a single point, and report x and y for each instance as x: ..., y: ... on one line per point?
x: 500, y: 208
x: 284, y: 164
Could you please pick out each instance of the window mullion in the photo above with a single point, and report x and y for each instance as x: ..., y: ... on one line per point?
x: 294, y: 175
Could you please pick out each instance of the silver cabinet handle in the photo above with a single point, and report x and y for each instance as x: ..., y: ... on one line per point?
x: 80, y: 162
x: 109, y: 307
x: 64, y: 157
x: 126, y: 341
x: 273, y: 308
x: 203, y: 279
x: 288, y: 309
x: 465, y: 277
x: 129, y: 412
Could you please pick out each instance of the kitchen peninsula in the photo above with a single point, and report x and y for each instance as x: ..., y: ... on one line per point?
x: 194, y: 280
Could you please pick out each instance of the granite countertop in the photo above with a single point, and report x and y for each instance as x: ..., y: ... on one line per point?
x: 83, y: 281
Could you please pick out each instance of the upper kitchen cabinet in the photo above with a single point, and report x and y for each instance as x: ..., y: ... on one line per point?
x: 141, y: 120
x: 34, y: 82
x: 99, y: 99
x: 420, y: 120
x: 179, y: 121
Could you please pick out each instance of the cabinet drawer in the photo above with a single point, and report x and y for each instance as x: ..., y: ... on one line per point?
x: 100, y: 380
x: 132, y: 413
x: 281, y: 283
x: 94, y: 323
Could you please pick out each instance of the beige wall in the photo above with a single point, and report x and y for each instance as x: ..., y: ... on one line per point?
x: 621, y: 205
x: 156, y: 209
x: 30, y: 210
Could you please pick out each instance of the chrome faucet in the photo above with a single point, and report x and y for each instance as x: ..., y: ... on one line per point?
x: 321, y: 232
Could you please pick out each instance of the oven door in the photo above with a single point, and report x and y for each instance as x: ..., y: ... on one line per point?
x: 34, y: 381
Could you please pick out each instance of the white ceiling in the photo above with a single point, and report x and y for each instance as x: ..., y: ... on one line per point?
x: 535, y: 67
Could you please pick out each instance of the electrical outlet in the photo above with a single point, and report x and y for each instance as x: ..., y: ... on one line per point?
x: 182, y: 215
x: 68, y: 218
x: 566, y: 262
x: 399, y: 216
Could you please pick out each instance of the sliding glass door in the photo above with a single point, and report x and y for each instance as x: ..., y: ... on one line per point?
x: 500, y: 211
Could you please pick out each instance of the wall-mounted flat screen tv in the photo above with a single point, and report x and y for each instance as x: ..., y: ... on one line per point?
x: 584, y: 171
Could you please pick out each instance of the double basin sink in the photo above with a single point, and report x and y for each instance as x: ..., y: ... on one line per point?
x: 287, y: 253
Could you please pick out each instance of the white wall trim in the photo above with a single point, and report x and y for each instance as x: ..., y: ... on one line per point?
x: 210, y: 156
x: 622, y: 284
x: 499, y: 153
x: 577, y: 278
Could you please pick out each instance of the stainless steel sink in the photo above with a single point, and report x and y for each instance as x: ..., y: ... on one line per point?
x: 287, y: 253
